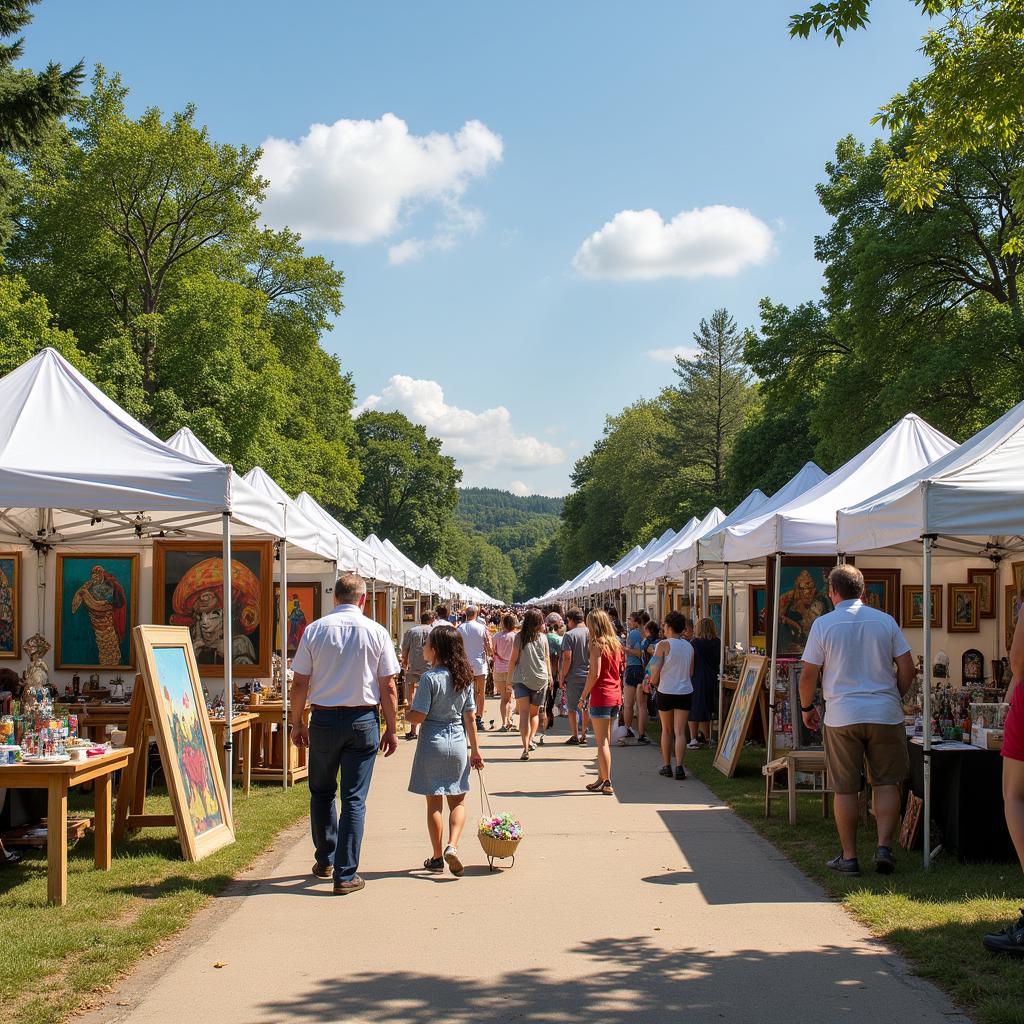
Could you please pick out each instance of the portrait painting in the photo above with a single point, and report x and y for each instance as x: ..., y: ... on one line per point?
x: 188, y: 590
x: 10, y: 604
x: 803, y: 597
x: 882, y: 590
x: 302, y: 607
x: 757, y: 611
x: 985, y: 581
x: 1011, y: 612
x: 96, y: 610
x: 177, y: 709
x: 963, y: 608
x: 741, y: 712
x: 913, y: 607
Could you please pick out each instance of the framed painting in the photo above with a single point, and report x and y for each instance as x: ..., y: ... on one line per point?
x: 741, y: 711
x: 177, y: 709
x: 97, y: 609
x: 715, y: 615
x: 1011, y: 612
x: 408, y: 611
x: 803, y: 597
x: 10, y: 604
x: 963, y: 608
x: 913, y: 607
x: 757, y: 615
x: 303, y: 607
x: 985, y: 581
x: 882, y: 590
x: 1018, y: 577
x: 188, y: 590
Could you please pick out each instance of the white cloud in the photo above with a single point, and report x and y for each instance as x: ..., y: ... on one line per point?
x: 668, y: 355
x: 354, y: 181
x: 715, y: 241
x: 518, y: 487
x: 484, y: 441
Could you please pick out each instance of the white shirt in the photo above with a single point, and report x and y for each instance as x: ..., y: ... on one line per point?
x: 677, y: 668
x: 474, y: 633
x: 857, y: 645
x: 346, y: 655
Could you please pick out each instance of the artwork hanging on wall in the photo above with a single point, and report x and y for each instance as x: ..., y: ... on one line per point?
x: 715, y: 615
x: 303, y: 607
x: 97, y: 606
x: 408, y: 611
x: 963, y: 608
x: 1011, y: 612
x: 188, y: 590
x: 882, y: 590
x: 757, y: 612
x: 985, y: 581
x: 803, y: 597
x: 10, y: 604
x: 913, y: 607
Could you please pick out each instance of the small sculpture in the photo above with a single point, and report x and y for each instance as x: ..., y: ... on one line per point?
x: 36, y: 677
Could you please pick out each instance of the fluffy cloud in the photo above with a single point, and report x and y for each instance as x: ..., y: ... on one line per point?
x: 353, y: 181
x: 715, y: 241
x: 482, y: 440
x: 668, y: 355
x: 518, y: 487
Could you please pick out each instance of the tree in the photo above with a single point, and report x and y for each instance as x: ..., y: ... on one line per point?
x: 26, y: 327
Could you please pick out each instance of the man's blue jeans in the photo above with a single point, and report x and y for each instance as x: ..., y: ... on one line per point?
x: 344, y: 739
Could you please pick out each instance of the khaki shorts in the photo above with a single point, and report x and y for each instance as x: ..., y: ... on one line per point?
x: 502, y: 681
x: 881, y: 748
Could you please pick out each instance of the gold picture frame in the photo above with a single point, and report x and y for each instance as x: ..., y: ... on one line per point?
x: 10, y: 604
x: 741, y: 713
x: 913, y: 616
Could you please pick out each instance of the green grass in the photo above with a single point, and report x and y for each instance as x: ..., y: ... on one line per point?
x: 54, y: 960
x: 935, y: 918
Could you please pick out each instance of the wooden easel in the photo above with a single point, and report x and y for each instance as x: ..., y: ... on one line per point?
x: 131, y: 791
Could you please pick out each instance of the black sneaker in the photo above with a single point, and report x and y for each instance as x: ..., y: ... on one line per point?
x: 844, y: 866
x: 885, y: 862
x: 666, y: 770
x: 680, y: 772
x: 643, y: 741
x: 572, y: 741
x: 1009, y: 942
x: 480, y: 725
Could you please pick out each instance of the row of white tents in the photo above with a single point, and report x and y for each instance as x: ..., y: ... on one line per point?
x: 76, y: 470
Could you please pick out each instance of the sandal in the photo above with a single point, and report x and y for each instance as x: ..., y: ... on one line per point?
x: 606, y: 788
x: 596, y: 785
x: 434, y: 864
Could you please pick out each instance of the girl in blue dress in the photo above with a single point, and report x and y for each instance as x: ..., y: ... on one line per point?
x: 444, y: 709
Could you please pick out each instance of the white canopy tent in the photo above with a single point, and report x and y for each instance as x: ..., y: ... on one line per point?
x: 353, y: 554
x: 630, y: 577
x: 656, y: 567
x: 437, y: 585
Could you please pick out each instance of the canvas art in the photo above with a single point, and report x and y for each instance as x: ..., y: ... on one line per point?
x: 302, y: 607
x: 963, y: 608
x: 1011, y: 612
x: 757, y: 611
x: 803, y: 597
x: 741, y: 711
x: 408, y: 611
x: 882, y: 590
x: 188, y: 590
x: 913, y: 607
x: 985, y: 581
x: 715, y: 615
x: 96, y: 610
x: 10, y: 604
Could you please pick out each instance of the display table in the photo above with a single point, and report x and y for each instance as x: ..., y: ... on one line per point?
x: 269, y: 745
x: 241, y: 727
x: 967, y: 798
x: 93, y: 718
x: 57, y: 779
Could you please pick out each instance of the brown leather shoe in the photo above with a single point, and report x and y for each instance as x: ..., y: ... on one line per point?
x: 323, y: 870
x: 344, y: 888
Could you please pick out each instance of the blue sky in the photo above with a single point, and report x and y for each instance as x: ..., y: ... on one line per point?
x: 518, y: 133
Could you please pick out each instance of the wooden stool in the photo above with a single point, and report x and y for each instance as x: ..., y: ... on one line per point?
x: 794, y: 761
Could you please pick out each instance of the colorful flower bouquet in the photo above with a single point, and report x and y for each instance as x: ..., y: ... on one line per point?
x: 499, y: 836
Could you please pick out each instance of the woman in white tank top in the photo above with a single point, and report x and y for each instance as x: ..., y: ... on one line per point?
x: 671, y: 675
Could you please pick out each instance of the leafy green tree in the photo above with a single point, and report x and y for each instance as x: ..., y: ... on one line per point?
x: 26, y: 327
x: 490, y: 569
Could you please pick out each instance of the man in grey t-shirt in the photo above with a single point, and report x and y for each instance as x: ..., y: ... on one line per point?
x: 413, y: 661
x: 573, y: 666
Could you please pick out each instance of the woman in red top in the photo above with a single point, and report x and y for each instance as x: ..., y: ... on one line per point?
x: 604, y: 688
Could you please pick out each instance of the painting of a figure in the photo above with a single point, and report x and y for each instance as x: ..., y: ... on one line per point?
x: 757, y: 612
x: 303, y: 607
x: 803, y: 597
x: 188, y: 590
x: 10, y: 604
x: 882, y: 591
x: 97, y: 605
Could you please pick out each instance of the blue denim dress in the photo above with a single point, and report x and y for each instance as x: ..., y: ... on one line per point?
x: 441, y: 764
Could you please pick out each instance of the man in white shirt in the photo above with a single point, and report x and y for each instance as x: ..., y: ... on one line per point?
x: 477, y: 640
x: 857, y: 645
x: 345, y: 666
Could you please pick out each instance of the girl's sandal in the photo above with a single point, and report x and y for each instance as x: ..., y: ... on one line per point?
x: 434, y: 863
x: 606, y: 788
x: 596, y: 785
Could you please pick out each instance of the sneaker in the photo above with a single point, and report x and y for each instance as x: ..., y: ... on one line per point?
x: 1009, y: 942
x: 411, y: 735
x: 885, y: 862
x: 540, y: 741
x: 666, y: 770
x: 480, y: 725
x: 524, y: 756
x: 572, y: 741
x: 323, y: 870
x: 680, y: 773
x: 643, y: 741
x: 583, y: 741
x: 351, y: 886
x: 630, y: 735
x: 533, y: 746
x: 451, y: 858
x: 844, y: 866
x: 693, y: 745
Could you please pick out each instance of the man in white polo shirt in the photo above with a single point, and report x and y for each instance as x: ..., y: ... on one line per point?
x: 857, y: 646
x: 345, y: 666
x: 477, y: 641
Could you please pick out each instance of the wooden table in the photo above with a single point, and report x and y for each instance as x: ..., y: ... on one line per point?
x: 270, y: 744
x: 241, y: 722
x: 791, y: 762
x: 93, y: 718
x: 57, y: 779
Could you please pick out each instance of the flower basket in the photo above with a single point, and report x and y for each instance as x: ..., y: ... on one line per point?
x: 499, y: 834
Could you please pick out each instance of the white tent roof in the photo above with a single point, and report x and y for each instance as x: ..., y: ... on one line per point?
x: 65, y: 446
x: 653, y: 545
x: 687, y: 557
x: 353, y: 554
x: 807, y: 525
x: 414, y: 576
x: 632, y: 576
x: 657, y: 567
x: 570, y: 588
x: 606, y: 581
x: 301, y: 530
x: 974, y: 492
x: 437, y: 585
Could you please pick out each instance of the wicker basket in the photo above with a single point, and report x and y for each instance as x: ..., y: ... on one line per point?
x: 498, y: 849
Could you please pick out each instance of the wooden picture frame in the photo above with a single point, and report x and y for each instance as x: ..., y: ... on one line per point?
x: 96, y: 607
x: 757, y: 615
x: 10, y: 604
x: 1011, y: 610
x: 408, y: 611
x: 963, y: 600
x: 913, y: 615
x: 177, y: 710
x: 741, y: 713
x: 309, y: 596
x: 985, y: 580
x: 882, y: 590
x: 252, y: 574
x: 800, y: 573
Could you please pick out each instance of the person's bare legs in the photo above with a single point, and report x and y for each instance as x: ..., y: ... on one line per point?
x: 409, y: 698
x: 679, y: 727
x: 846, y: 808
x: 480, y: 696
x: 435, y: 824
x: 1013, y: 802
x: 602, y: 737
x: 642, y: 716
x: 887, y: 813
x: 666, y: 736
x: 456, y: 818
x: 628, y: 700
x: 525, y: 714
x: 506, y: 705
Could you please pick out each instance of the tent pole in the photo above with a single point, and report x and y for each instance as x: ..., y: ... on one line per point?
x: 228, y: 604
x: 927, y: 684
x: 373, y: 596
x: 283, y: 613
x: 769, y: 740
x: 721, y: 646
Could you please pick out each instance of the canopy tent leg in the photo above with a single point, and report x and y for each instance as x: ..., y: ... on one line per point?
x: 927, y: 684
x: 283, y: 613
x: 769, y: 740
x: 373, y: 599
x: 721, y: 646
x: 228, y: 603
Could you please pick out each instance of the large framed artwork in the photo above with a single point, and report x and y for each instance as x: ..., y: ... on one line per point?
x: 188, y: 590
x: 985, y: 581
x: 303, y: 607
x: 741, y: 711
x: 10, y: 604
x: 1011, y: 612
x: 882, y: 590
x: 177, y: 709
x: 963, y: 608
x: 913, y: 606
x: 1018, y: 578
x: 757, y: 615
x: 97, y: 609
x: 715, y: 615
x: 803, y: 597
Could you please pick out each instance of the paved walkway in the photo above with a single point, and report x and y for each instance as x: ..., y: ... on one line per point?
x: 656, y: 905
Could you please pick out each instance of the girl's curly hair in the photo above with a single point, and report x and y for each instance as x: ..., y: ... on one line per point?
x: 451, y: 653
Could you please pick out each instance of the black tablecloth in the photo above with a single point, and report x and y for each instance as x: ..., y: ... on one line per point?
x: 967, y: 801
